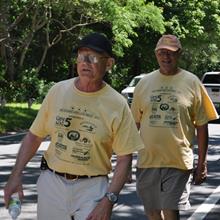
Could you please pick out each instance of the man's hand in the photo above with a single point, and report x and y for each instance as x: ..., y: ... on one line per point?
x: 102, y: 211
x: 200, y: 174
x: 13, y: 185
x: 104, y: 208
x: 129, y: 177
x: 28, y: 148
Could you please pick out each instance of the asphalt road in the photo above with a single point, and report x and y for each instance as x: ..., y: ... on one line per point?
x: 205, y: 199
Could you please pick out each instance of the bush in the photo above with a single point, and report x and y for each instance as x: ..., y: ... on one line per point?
x: 31, y: 87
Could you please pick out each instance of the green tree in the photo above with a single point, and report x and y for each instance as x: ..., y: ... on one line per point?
x: 40, y: 34
x: 197, y: 23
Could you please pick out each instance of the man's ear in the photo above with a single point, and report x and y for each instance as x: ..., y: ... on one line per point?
x: 179, y: 52
x: 110, y: 63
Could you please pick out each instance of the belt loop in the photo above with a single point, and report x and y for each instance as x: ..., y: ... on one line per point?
x: 77, y: 177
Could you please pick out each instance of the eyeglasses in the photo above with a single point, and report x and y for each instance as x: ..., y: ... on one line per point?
x: 92, y: 59
x: 169, y: 53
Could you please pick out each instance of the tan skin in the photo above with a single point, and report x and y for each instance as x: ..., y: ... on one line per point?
x: 91, y: 75
x: 90, y: 80
x: 168, y: 63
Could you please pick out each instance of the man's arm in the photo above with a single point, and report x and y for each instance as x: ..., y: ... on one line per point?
x: 104, y: 208
x: 120, y: 173
x: 202, y: 140
x: 129, y: 177
x: 28, y: 148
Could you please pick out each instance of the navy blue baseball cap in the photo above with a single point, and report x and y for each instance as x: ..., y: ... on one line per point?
x: 97, y: 42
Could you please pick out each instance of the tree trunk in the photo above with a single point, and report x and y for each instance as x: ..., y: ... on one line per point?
x: 42, y: 59
x: 7, y: 54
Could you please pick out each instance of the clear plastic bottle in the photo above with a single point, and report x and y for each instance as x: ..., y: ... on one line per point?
x: 14, y: 208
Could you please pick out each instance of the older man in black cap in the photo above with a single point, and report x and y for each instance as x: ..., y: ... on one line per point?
x: 87, y: 121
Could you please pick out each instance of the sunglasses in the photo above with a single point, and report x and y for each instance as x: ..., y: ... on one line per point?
x: 91, y: 59
x: 169, y: 53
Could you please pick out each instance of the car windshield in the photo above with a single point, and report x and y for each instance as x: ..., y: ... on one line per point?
x: 212, y: 79
x: 134, y: 82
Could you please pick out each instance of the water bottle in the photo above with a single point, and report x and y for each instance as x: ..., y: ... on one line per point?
x: 14, y: 208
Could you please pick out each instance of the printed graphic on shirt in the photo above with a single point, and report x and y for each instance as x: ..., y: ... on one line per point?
x: 75, y: 128
x: 164, y: 110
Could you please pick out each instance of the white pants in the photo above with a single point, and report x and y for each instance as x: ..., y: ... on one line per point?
x: 61, y: 199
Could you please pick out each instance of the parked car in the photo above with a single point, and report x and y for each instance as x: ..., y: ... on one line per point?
x: 129, y: 90
x: 211, y: 81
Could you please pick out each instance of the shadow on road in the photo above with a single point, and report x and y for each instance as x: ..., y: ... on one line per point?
x: 129, y: 207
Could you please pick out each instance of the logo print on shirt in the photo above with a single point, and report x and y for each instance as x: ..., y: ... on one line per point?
x: 88, y: 127
x: 73, y: 135
x: 164, y: 107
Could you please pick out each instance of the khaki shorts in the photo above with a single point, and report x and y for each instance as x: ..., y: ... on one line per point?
x: 62, y: 199
x: 164, y: 188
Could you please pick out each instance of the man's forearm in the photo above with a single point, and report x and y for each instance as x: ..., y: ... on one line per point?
x: 202, y: 140
x: 28, y: 148
x: 200, y: 173
x: 120, y: 173
x: 104, y: 208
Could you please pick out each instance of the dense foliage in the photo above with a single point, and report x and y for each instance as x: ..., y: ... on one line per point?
x: 37, y: 38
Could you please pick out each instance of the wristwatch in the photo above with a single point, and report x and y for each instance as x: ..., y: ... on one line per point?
x: 112, y: 197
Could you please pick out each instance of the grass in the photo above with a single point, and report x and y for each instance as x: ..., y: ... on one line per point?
x: 15, y: 117
x: 23, y: 105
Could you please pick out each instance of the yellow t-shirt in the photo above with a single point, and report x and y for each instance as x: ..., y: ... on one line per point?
x: 168, y: 108
x: 85, y: 129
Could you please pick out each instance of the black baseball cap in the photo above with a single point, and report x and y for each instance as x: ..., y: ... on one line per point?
x: 97, y: 42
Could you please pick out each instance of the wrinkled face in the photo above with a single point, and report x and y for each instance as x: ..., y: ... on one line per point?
x: 92, y: 65
x: 167, y: 60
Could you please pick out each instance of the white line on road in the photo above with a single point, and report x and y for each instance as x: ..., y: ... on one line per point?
x: 201, y: 212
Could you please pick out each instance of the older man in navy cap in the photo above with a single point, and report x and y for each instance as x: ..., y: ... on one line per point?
x: 169, y: 105
x: 87, y: 121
